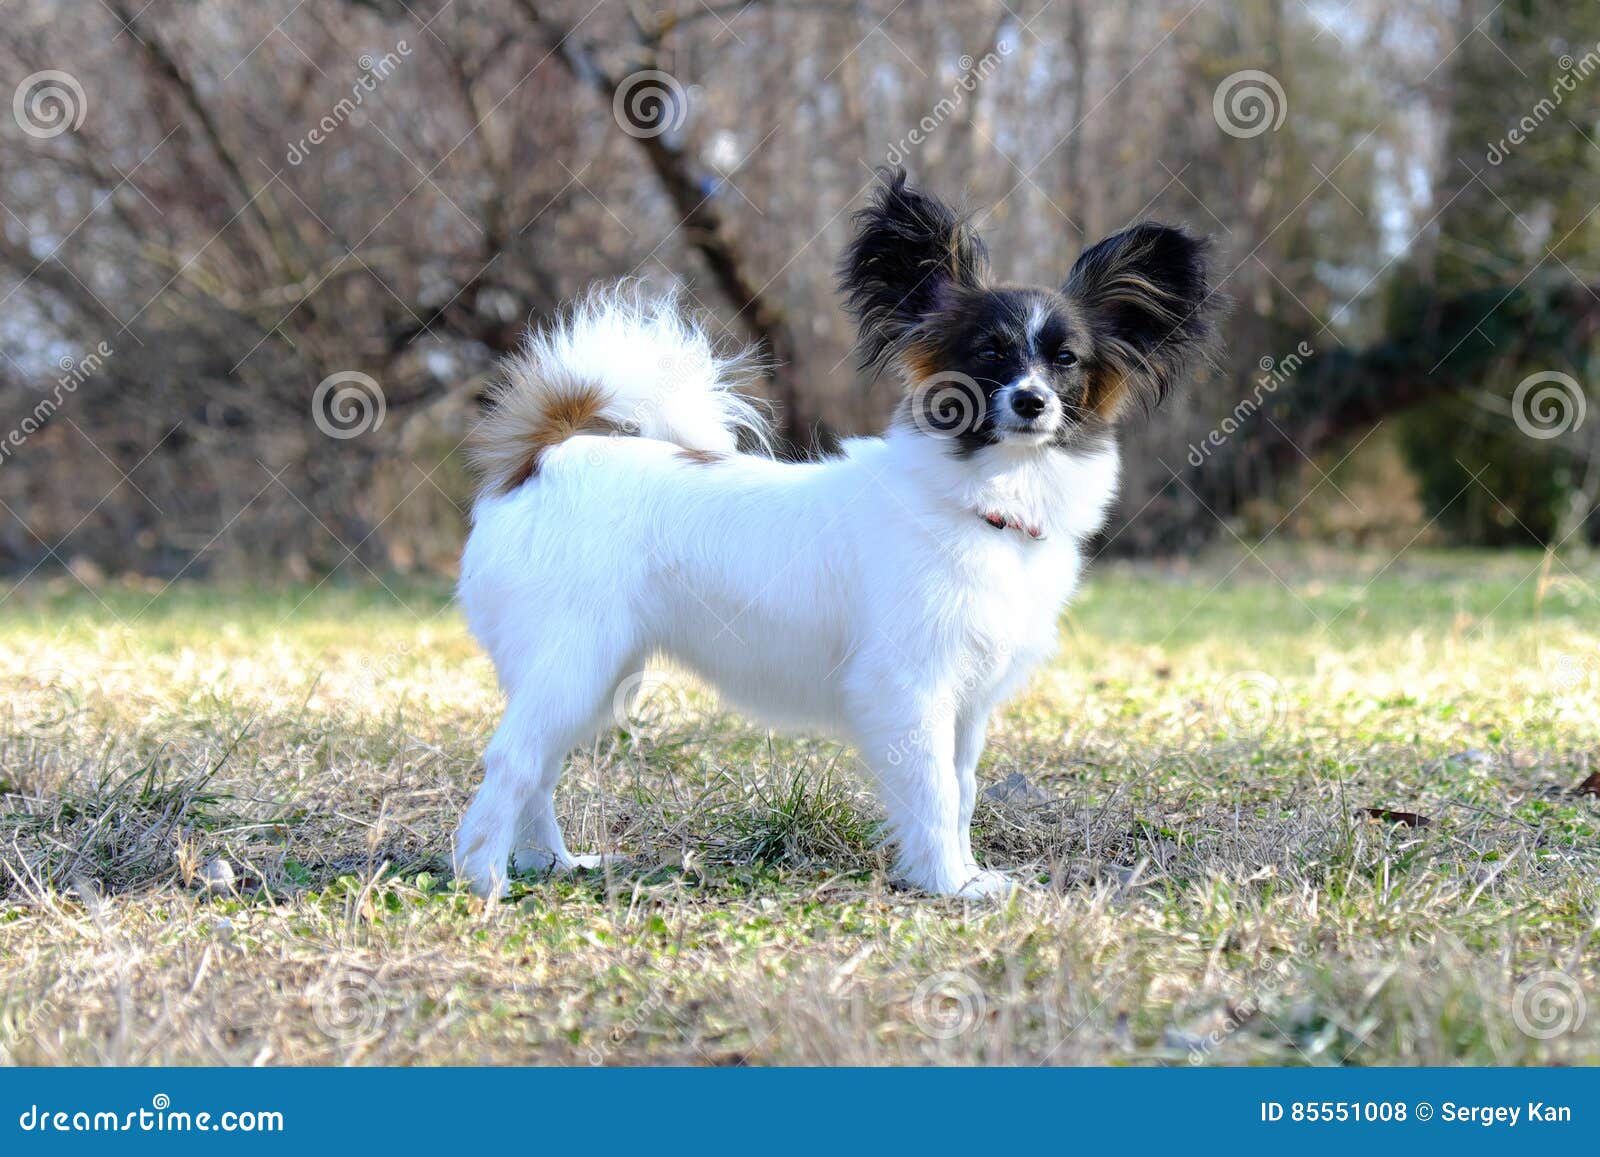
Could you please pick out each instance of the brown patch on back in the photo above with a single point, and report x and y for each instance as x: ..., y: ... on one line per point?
x: 700, y: 457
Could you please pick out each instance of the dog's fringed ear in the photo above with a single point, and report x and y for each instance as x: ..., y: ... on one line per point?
x: 1147, y: 297
x: 908, y: 251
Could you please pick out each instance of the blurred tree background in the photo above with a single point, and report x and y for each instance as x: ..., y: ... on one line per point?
x: 257, y: 261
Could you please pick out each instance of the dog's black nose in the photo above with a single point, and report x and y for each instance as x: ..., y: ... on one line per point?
x: 1028, y: 404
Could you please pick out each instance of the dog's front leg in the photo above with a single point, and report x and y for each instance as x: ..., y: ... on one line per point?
x: 911, y: 752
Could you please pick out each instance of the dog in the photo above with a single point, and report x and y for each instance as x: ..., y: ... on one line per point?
x: 892, y: 596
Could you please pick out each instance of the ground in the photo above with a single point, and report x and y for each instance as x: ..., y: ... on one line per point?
x: 227, y: 818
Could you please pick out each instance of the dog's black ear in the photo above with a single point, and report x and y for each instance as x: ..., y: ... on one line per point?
x: 1147, y: 297
x: 908, y: 251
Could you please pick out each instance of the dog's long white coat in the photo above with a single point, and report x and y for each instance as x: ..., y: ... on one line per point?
x: 863, y: 596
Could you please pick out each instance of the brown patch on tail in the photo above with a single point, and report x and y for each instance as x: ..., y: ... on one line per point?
x: 528, y: 420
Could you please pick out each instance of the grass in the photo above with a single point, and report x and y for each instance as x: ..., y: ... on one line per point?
x: 226, y: 815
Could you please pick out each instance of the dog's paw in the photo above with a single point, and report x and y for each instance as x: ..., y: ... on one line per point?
x: 484, y: 883
x: 527, y: 861
x: 984, y: 884
x: 539, y: 861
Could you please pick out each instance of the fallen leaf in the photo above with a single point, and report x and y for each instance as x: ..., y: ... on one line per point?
x: 1409, y: 819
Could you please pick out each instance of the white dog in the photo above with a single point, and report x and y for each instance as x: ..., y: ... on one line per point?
x: 892, y: 596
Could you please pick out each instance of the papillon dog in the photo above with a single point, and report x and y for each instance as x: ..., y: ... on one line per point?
x: 892, y: 596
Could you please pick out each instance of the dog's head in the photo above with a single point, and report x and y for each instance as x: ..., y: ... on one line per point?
x: 987, y: 363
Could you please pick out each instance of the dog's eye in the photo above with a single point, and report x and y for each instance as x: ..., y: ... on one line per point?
x: 991, y: 353
x: 1065, y: 357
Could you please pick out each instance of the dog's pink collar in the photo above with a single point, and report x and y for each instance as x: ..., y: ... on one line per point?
x: 1001, y: 522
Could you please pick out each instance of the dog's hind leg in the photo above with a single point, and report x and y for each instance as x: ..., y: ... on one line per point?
x: 520, y: 757
x: 514, y: 808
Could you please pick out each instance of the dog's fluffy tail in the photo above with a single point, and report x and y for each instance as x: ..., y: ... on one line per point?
x: 618, y: 363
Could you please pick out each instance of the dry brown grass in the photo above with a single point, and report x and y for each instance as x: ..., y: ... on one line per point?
x: 1188, y: 773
